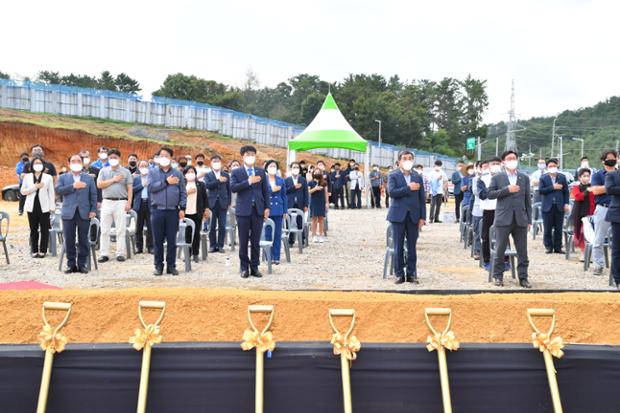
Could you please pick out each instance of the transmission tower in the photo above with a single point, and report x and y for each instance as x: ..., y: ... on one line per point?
x: 511, y: 138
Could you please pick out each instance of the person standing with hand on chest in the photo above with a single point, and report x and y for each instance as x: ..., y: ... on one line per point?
x: 406, y: 214
x: 142, y: 206
x: 251, y: 210
x: 554, y: 189
x: 217, y: 182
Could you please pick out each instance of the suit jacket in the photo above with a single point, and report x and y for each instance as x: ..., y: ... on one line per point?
x: 137, y: 193
x: 218, y: 190
x: 404, y: 200
x: 278, y: 200
x: 336, y: 183
x: 297, y: 198
x: 240, y: 184
x: 511, y: 207
x: 612, y: 186
x: 552, y: 196
x: 83, y: 200
x: 456, y: 180
x: 202, y: 200
x: 47, y: 198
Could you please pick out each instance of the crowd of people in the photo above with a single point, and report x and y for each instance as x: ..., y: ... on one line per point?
x: 495, y: 193
x: 164, y: 189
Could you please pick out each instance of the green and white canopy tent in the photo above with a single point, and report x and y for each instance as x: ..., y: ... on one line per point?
x: 329, y: 129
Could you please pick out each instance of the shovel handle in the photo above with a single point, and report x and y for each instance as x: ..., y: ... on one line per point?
x: 438, y: 311
x: 339, y: 312
x: 48, y: 305
x: 157, y: 305
x: 261, y: 309
x: 541, y: 312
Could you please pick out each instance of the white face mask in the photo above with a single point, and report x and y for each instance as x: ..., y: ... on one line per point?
x: 585, y: 164
x: 175, y: 165
x: 75, y: 167
x: 144, y: 171
x: 470, y: 172
x: 485, y: 171
x: 512, y: 164
x: 420, y: 171
x: 103, y: 156
x: 113, y: 162
x: 156, y: 160
x: 495, y: 169
x: 407, y: 165
x: 164, y: 161
x: 272, y: 170
x: 295, y: 171
x: 234, y: 167
x: 552, y: 170
x: 541, y: 166
x: 216, y: 165
x: 438, y: 168
x: 189, y: 163
x: 86, y: 161
x: 38, y: 167
x: 249, y: 160
x: 190, y: 177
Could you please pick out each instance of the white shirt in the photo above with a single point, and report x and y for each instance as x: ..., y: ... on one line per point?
x: 487, y: 204
x: 512, y: 177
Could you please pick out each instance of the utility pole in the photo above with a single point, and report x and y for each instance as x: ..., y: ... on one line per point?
x: 616, y: 145
x: 553, y: 136
x: 540, y: 156
x: 582, y: 142
x: 497, y: 146
x: 561, y: 140
x: 511, y: 140
x: 379, y: 122
x: 529, y: 157
x: 479, y: 149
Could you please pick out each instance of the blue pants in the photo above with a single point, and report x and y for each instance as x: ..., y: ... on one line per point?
x: 165, y: 225
x: 552, y: 222
x: 615, y: 252
x: 477, y: 223
x: 68, y: 230
x: 277, y: 237
x: 217, y: 233
x: 250, y: 228
x: 401, y: 229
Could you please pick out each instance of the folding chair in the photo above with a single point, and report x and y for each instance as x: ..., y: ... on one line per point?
x: 463, y: 223
x: 588, y: 235
x: 286, y: 225
x: 93, y: 237
x: 568, y: 231
x: 508, y: 253
x: 55, y: 233
x: 266, y: 245
x: 231, y: 228
x: 130, y: 232
x: 4, y: 232
x: 537, y: 219
x: 388, y: 261
x: 295, y: 228
x: 204, y: 236
x: 182, y: 245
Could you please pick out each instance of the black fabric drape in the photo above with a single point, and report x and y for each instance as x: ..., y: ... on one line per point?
x: 305, y: 378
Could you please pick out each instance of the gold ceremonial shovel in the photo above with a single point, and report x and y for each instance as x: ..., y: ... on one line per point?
x: 347, y: 347
x: 51, y: 342
x: 144, y: 339
x: 262, y: 341
x: 441, y: 342
x: 550, y: 348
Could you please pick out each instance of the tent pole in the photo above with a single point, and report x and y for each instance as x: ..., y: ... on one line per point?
x: 367, y: 175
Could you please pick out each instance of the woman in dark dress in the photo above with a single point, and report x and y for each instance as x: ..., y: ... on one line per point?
x: 318, y: 204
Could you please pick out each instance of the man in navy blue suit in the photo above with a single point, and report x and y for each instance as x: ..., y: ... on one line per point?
x: 406, y: 214
x: 554, y: 189
x: 252, y: 208
x: 142, y: 206
x: 297, y: 193
x: 219, y: 196
x: 79, y: 194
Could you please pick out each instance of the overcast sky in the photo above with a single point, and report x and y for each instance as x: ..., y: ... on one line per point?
x: 561, y: 54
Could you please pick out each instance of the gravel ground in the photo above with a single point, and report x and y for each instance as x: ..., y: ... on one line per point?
x: 350, y: 259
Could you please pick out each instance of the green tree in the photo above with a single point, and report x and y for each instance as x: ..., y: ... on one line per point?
x: 4, y: 75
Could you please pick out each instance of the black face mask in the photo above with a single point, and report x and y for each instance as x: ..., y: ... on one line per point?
x: 357, y: 169
x: 24, y: 159
x: 183, y: 164
x: 610, y: 162
x: 200, y: 163
x: 132, y: 164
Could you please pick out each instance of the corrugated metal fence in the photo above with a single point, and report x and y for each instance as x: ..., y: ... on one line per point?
x: 173, y: 113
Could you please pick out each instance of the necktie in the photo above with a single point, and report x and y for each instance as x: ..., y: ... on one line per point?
x: 251, y: 171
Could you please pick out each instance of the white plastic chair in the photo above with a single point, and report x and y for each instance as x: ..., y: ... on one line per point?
x: 266, y: 245
x: 294, y: 228
x: 5, y: 220
x: 182, y: 244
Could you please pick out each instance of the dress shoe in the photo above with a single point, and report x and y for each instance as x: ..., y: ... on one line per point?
x: 69, y: 270
x: 172, y: 271
x: 196, y: 259
x: 399, y: 280
x: 158, y: 271
x: 84, y: 270
x: 120, y: 258
x: 499, y: 283
x: 221, y: 250
x: 559, y: 251
x: 618, y: 286
x: 438, y: 222
x: 42, y: 255
x: 212, y: 249
x: 139, y: 251
x: 598, y: 271
x: 150, y: 250
x: 525, y: 284
x: 245, y: 274
x: 102, y: 259
x: 276, y: 263
x: 255, y: 272
x: 548, y: 251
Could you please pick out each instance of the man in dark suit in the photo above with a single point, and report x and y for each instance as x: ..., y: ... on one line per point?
x: 554, y: 189
x: 219, y: 195
x: 612, y: 188
x: 79, y: 205
x: 513, y: 215
x: 406, y: 214
x: 142, y: 206
x: 337, y: 181
x: 297, y: 194
x: 251, y: 209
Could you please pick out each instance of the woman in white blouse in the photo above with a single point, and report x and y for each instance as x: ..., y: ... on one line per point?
x: 38, y: 187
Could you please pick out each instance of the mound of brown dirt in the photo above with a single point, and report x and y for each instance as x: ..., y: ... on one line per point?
x: 220, y: 315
